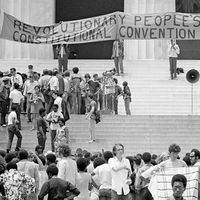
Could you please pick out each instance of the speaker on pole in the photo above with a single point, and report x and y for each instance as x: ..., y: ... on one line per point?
x: 192, y: 77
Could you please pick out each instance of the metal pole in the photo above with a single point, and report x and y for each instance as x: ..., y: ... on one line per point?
x: 191, y: 99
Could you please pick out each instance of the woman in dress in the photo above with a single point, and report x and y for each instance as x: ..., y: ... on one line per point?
x: 62, y: 134
x: 36, y: 100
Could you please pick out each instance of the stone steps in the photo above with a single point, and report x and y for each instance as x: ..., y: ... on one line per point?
x: 138, y: 133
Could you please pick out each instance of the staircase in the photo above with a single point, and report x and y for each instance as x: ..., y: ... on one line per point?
x: 161, y: 109
x: 152, y: 91
x: 138, y: 133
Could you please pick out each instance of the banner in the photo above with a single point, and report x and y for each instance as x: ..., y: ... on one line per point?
x: 93, y: 29
x: 171, y: 25
x: 161, y: 188
x: 117, y: 25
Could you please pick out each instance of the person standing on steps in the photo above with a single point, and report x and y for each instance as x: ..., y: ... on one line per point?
x: 173, y: 51
x: 127, y: 97
x: 118, y: 55
x: 63, y: 54
x: 91, y: 116
x: 16, y: 99
x: 117, y: 94
x: 13, y: 129
x: 41, y: 128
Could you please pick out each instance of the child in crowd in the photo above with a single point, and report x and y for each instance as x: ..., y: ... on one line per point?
x: 83, y: 180
x: 62, y: 134
x: 53, y: 117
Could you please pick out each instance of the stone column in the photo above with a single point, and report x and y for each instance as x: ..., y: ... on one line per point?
x: 38, y: 13
x: 147, y: 49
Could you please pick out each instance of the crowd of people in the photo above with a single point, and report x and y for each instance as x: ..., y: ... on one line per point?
x: 50, y: 98
x: 82, y: 175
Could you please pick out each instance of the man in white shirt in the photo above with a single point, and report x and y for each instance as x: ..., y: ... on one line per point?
x: 105, y: 177
x: 15, y: 78
x: 29, y: 88
x: 173, y: 51
x: 57, y: 100
x: 121, y: 171
x: 16, y: 99
x: 54, y: 86
x: 13, y: 130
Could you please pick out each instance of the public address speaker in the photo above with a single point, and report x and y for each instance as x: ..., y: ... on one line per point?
x: 192, y: 76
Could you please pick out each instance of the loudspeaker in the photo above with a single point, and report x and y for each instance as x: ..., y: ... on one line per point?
x: 192, y: 76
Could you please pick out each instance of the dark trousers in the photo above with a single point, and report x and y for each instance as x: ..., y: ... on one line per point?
x: 28, y: 107
x: 76, y: 99
x: 50, y: 104
x: 115, y: 196
x: 63, y: 63
x: 67, y: 97
x: 18, y: 112
x: 119, y: 64
x: 145, y: 194
x: 116, y: 106
x: 41, y: 140
x: 173, y: 64
x: 101, y: 101
x: 12, y: 130
x: 3, y: 110
x: 3, y: 118
x: 105, y: 194
x: 53, y: 135
x: 83, y: 106
x: 109, y: 102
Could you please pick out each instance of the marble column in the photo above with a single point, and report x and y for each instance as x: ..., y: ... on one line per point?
x: 147, y: 49
x: 38, y: 13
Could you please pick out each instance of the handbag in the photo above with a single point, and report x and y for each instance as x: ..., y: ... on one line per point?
x: 97, y: 117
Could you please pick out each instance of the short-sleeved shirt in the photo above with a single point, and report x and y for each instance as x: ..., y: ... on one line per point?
x: 58, y: 101
x: 12, y: 116
x: 16, y: 96
x: 104, y: 174
x: 41, y: 123
x: 93, y: 86
x: 53, y: 117
x: 54, y: 84
x: 44, y: 80
x: 118, y: 90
